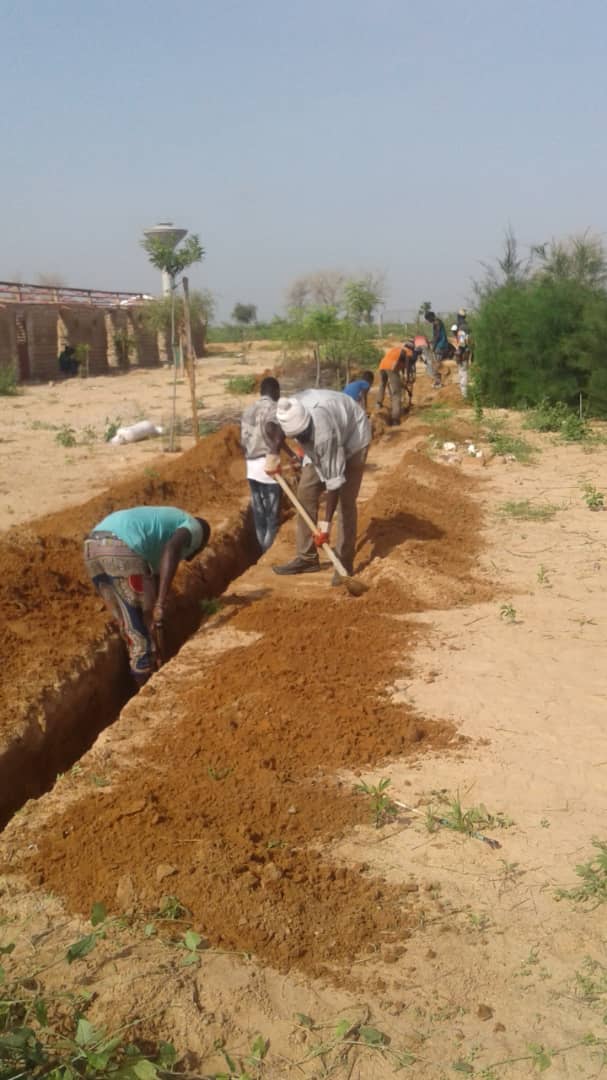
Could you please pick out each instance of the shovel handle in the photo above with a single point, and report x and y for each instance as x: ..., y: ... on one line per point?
x: 303, y: 513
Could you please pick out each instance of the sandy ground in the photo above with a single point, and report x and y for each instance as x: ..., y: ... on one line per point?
x: 38, y: 474
x: 499, y: 978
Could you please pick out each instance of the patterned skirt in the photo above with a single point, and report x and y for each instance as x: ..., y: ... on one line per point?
x: 126, y: 584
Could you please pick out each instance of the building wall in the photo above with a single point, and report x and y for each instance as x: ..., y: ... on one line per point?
x: 42, y: 341
x: 145, y: 342
x: 85, y: 326
x: 47, y: 328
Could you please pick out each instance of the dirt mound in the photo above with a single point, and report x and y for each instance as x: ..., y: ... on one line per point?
x: 48, y: 612
x: 253, y: 737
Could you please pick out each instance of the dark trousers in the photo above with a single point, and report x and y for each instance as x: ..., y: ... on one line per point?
x: 265, y: 502
x: 393, y: 381
x: 310, y: 489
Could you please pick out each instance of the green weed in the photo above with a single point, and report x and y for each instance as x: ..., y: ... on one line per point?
x: 382, y: 808
x: 210, y: 606
x: 111, y: 427
x: 42, y: 425
x: 452, y: 815
x: 543, y: 575
x: 559, y: 418
x: 507, y: 445
x: 171, y: 908
x: 508, y: 613
x: 50, y: 1035
x: 525, y: 510
x: 594, y: 499
x: 66, y: 436
x: 241, y: 384
x: 591, y: 980
x: 593, y: 876
x: 8, y: 381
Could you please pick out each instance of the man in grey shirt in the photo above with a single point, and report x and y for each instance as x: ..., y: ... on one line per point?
x: 334, y: 433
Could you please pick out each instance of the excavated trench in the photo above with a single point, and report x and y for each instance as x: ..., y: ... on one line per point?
x: 64, y: 671
x: 69, y: 715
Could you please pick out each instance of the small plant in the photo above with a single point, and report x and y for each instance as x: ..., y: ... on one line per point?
x: 508, y: 613
x: 381, y: 806
x: 453, y: 816
x: 594, y: 499
x: 594, y: 879
x: 8, y: 381
x: 89, y: 435
x: 66, y: 436
x: 206, y: 427
x: 543, y: 575
x: 238, y: 1069
x: 111, y: 427
x: 525, y: 510
x: 210, y: 606
x: 152, y: 474
x: 591, y: 981
x: 510, y: 446
x: 219, y: 774
x: 241, y: 384
x: 171, y: 908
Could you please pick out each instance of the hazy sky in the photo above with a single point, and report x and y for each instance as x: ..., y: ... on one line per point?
x: 296, y: 135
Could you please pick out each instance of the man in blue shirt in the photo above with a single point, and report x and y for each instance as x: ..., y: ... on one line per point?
x: 359, y: 388
x: 131, y: 558
x: 440, y: 346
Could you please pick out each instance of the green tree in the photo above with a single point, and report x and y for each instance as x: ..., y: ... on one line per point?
x: 173, y: 261
x: 244, y: 314
x: 540, y: 334
x: 361, y: 297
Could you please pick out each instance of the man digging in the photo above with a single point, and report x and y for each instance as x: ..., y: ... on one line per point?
x: 131, y: 558
x: 334, y: 433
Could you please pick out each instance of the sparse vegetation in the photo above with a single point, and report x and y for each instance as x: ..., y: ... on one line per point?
x: 241, y: 384
x: 507, y: 445
x: 210, y: 606
x: 8, y: 381
x: 559, y: 418
x: 593, y: 874
x: 382, y: 808
x: 452, y: 815
x: 111, y: 427
x: 594, y: 499
x: 49, y: 1035
x: 508, y: 613
x: 525, y: 510
x: 66, y: 436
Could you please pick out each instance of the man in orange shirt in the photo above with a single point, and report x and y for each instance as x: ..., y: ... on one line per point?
x: 393, y: 363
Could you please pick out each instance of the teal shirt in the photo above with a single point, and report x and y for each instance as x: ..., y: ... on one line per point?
x: 146, y: 530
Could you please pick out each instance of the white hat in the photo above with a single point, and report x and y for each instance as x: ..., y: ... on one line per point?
x: 292, y: 416
x: 454, y: 327
x: 462, y: 311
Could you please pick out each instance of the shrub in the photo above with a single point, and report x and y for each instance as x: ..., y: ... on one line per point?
x: 8, y: 381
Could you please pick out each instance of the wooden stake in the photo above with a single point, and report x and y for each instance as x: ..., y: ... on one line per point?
x: 189, y: 357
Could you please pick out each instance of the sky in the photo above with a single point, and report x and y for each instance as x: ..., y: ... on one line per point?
x: 393, y: 136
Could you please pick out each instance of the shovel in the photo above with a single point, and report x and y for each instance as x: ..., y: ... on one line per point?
x: 355, y: 588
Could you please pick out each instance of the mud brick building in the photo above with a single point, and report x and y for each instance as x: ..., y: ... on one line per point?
x: 37, y: 321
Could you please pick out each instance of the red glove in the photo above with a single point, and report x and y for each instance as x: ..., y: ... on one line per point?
x: 322, y: 536
x: 272, y: 464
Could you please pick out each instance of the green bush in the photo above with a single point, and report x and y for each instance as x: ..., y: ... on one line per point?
x: 557, y: 417
x: 241, y: 384
x: 539, y: 339
x: 8, y: 381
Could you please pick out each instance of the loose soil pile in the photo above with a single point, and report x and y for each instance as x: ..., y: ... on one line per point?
x: 232, y: 796
x: 48, y: 611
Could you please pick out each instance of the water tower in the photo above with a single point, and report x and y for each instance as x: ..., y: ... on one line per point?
x: 169, y: 234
